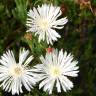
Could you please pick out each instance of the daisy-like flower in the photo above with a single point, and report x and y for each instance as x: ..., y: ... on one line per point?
x: 13, y: 76
x: 55, y: 69
x: 44, y: 20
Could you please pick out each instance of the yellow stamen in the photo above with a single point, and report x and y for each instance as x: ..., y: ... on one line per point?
x: 16, y: 70
x: 55, y: 71
x: 43, y: 24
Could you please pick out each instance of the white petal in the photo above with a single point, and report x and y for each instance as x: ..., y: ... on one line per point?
x: 28, y: 60
x: 22, y: 55
x: 58, y: 86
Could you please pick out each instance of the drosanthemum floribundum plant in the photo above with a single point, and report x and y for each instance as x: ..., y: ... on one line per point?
x: 44, y: 20
x: 55, y: 69
x: 13, y: 75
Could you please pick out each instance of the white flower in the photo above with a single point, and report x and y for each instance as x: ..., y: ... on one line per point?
x: 13, y: 76
x: 44, y: 20
x: 55, y: 69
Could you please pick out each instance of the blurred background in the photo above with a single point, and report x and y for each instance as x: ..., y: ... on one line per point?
x: 78, y: 37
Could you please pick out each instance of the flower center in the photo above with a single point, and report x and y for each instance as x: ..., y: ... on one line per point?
x: 55, y: 71
x: 43, y: 24
x: 16, y: 70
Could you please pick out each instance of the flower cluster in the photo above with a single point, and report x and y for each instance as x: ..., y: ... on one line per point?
x: 55, y: 67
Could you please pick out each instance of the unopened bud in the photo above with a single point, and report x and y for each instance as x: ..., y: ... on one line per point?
x: 28, y: 36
